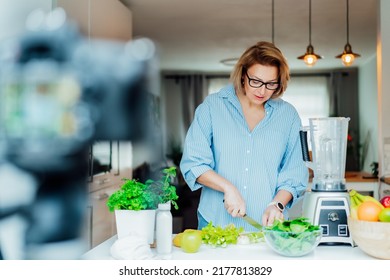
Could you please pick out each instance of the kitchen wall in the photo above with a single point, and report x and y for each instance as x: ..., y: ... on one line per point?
x: 368, y: 112
x: 383, y: 70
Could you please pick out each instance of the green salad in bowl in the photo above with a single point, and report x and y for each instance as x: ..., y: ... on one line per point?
x: 293, y: 238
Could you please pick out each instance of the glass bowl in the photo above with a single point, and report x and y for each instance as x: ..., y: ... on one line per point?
x: 291, y: 244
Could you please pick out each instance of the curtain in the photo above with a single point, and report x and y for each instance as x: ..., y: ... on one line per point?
x: 183, y: 93
x: 194, y: 90
x: 344, y: 103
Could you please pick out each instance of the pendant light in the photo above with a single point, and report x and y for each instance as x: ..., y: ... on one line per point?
x: 310, y: 57
x: 348, y: 56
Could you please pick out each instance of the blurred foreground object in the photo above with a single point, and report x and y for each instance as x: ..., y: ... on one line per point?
x: 60, y: 92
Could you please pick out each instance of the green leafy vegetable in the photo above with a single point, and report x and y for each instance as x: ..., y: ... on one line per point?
x: 134, y: 195
x: 163, y: 188
x: 255, y: 237
x: 216, y: 236
x: 293, y: 237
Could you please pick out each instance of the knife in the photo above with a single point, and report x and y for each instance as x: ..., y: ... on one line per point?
x: 252, y: 222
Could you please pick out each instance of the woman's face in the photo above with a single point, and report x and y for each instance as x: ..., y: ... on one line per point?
x: 260, y: 82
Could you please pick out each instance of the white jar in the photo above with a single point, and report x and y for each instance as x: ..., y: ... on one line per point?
x: 164, y: 229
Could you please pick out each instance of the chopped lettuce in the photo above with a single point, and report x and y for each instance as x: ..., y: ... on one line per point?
x: 297, y: 225
x: 293, y: 237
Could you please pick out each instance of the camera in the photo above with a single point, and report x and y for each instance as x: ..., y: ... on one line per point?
x: 60, y: 92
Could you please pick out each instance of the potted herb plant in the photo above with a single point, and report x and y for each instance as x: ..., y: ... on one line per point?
x: 135, y: 203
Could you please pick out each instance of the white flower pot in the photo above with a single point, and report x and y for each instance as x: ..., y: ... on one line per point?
x: 141, y: 223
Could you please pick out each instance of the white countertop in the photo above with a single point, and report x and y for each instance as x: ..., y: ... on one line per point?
x: 257, y: 251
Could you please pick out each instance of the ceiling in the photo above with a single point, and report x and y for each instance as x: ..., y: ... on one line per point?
x: 194, y: 35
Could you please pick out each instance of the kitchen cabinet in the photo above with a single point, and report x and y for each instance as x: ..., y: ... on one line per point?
x: 384, y: 186
x: 106, y: 19
x: 99, y: 221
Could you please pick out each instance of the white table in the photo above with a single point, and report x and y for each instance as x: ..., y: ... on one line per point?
x: 257, y: 251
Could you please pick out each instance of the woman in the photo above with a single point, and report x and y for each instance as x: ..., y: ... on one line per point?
x: 243, y: 146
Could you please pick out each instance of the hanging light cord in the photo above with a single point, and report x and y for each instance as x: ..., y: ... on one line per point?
x: 310, y: 22
x: 273, y: 22
x: 347, y: 21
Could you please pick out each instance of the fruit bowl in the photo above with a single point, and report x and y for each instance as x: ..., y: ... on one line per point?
x: 291, y: 244
x: 373, y: 238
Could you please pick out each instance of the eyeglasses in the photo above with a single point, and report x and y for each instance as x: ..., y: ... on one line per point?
x: 258, y: 84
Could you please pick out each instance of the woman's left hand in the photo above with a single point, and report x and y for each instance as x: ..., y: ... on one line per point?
x: 271, y: 214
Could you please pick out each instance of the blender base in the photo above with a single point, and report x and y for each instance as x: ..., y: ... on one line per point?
x: 329, y: 210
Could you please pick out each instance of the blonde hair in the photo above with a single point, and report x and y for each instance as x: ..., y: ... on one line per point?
x: 264, y: 53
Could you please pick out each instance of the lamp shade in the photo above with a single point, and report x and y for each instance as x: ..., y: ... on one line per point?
x: 310, y: 57
x: 348, y: 56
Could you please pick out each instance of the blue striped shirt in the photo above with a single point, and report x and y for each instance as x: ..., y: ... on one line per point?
x: 259, y: 162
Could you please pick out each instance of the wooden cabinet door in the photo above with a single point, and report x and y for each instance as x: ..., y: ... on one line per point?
x: 102, y: 221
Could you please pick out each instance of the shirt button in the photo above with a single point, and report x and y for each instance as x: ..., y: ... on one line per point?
x: 245, y: 187
x: 248, y: 151
x: 246, y: 169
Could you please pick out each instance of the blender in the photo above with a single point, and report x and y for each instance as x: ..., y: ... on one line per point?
x: 328, y: 202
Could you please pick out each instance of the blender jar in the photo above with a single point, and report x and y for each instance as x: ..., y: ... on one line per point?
x: 329, y: 148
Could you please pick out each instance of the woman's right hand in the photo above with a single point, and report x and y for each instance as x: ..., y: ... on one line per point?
x: 234, y: 203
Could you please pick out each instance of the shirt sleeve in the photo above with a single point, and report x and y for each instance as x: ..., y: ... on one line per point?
x: 293, y: 176
x: 197, y: 153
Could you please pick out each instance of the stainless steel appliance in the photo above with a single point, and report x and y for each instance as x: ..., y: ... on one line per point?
x: 327, y: 204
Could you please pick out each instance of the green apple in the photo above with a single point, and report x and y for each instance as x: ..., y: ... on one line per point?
x: 191, y: 240
x: 384, y: 215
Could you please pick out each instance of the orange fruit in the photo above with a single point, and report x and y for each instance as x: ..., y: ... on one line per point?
x: 369, y: 211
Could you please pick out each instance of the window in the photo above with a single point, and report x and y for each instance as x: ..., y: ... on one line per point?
x: 309, y: 95
x: 215, y: 84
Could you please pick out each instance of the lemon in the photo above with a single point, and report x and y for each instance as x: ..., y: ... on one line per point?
x: 384, y: 215
x: 177, y: 239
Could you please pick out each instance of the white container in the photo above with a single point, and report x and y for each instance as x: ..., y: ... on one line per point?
x: 140, y: 223
x: 164, y: 229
